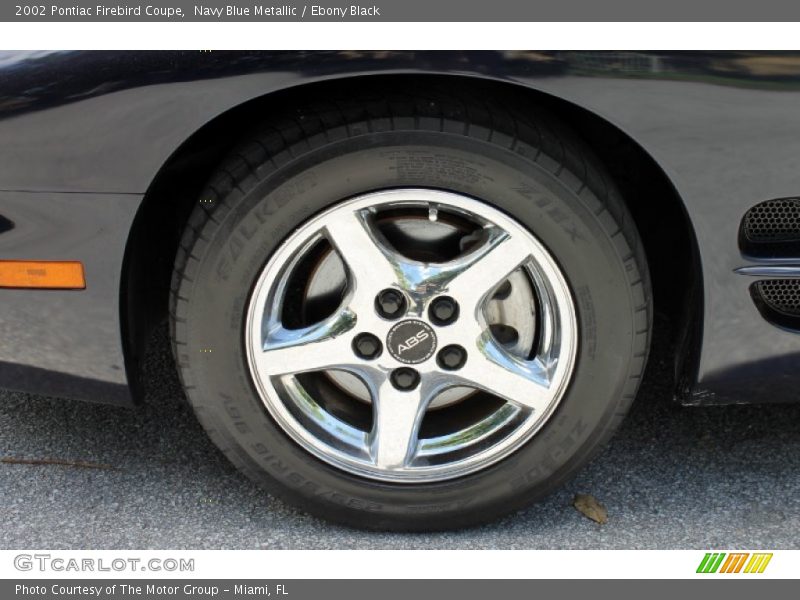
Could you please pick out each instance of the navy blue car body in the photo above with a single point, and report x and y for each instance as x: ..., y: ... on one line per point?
x: 102, y: 153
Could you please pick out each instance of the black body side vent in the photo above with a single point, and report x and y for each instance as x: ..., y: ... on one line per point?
x: 771, y: 229
x: 779, y: 301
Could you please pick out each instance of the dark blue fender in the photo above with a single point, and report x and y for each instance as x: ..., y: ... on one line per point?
x: 83, y: 136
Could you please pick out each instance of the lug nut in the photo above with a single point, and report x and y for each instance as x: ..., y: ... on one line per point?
x: 405, y: 379
x: 367, y: 346
x: 390, y: 304
x: 451, y: 358
x: 443, y: 310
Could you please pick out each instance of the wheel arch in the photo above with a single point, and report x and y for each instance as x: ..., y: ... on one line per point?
x: 662, y: 221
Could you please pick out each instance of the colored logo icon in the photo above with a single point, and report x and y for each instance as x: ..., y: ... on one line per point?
x: 734, y: 562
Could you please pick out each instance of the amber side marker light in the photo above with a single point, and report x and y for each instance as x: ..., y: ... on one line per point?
x: 42, y: 274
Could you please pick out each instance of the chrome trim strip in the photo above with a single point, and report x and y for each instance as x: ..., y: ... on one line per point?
x: 770, y: 271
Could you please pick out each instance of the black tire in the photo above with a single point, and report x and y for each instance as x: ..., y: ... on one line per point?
x: 517, y: 158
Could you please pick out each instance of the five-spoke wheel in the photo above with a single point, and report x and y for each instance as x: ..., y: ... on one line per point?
x: 409, y: 331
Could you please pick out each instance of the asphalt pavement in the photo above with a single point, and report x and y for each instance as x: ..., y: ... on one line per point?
x: 673, y: 477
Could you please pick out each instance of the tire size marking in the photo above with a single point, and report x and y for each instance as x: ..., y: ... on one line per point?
x: 552, y: 460
x: 556, y: 213
x: 588, y: 321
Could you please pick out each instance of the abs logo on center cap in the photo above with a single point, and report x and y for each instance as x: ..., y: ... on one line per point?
x: 411, y: 341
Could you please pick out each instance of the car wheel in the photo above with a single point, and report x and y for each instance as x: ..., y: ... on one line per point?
x: 409, y: 311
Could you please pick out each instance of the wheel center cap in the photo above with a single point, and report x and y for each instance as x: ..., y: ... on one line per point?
x: 411, y: 341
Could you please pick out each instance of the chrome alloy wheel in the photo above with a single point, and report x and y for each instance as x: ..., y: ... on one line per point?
x: 401, y: 368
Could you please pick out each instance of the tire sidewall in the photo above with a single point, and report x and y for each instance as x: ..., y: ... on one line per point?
x: 560, y: 210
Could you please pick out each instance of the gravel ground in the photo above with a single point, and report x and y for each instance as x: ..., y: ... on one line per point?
x: 672, y: 477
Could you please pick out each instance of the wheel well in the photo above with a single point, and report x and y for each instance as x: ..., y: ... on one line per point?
x: 656, y: 207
